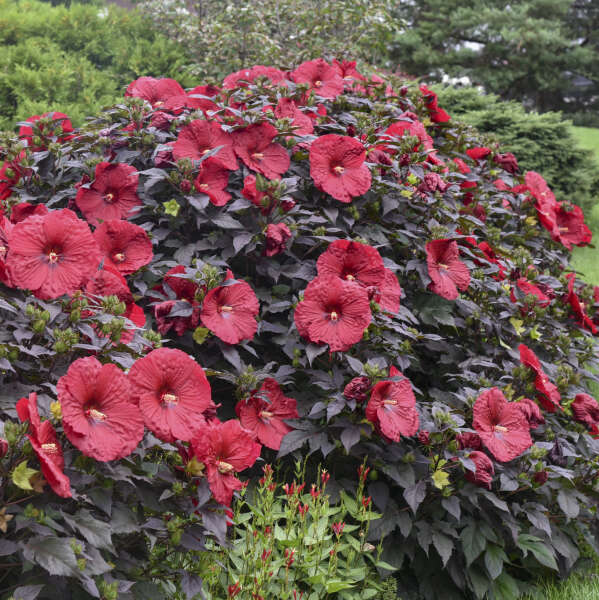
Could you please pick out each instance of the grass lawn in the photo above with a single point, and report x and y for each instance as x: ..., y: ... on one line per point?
x: 575, y: 588
x: 588, y: 137
x: 586, y: 260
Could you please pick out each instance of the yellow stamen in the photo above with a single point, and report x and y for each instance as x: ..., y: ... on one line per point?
x: 563, y: 228
x: 258, y: 156
x: 96, y: 414
x: 204, y: 186
x: 109, y: 197
x: 206, y: 151
x: 338, y: 169
x: 266, y: 415
x: 50, y: 448
x: 350, y: 278
x: 392, y: 402
x: 317, y: 83
x: 170, y: 399
x: 443, y: 266
x: 119, y: 257
x: 226, y: 308
x: 334, y: 316
x: 53, y: 257
x: 224, y: 467
x: 500, y: 429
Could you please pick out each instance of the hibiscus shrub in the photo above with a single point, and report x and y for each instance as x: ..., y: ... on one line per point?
x: 294, y: 264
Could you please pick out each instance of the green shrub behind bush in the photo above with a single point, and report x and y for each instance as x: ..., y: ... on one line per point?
x: 542, y: 142
x: 74, y: 60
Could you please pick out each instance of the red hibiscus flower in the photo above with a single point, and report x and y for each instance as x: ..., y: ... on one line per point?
x: 24, y: 210
x: 547, y: 218
x: 200, y: 137
x: 5, y: 229
x: 360, y: 263
x: 264, y: 411
x: 538, y: 187
x: 578, y: 307
x: 549, y: 395
x: 507, y: 162
x: 532, y: 412
x: 478, y: 153
x: 263, y: 200
x: 586, y: 410
x: 483, y: 475
x: 254, y: 145
x: 287, y: 109
x: 155, y: 91
x: 570, y: 228
x: 347, y: 70
x: 10, y: 173
x: 322, y: 78
x: 52, y: 254
x: 212, y: 180
x: 173, y: 394
x: 99, y: 415
x: 229, y: 311
x: 125, y: 246
x: 185, y: 291
x: 447, y: 271
x: 437, y: 115
x: 333, y: 312
x: 357, y: 389
x: 276, y: 238
x: 241, y: 78
x: 352, y: 261
x: 337, y: 166
x: 392, y: 407
x: 109, y: 282
x: 530, y: 289
x: 462, y: 166
x: 388, y: 293
x: 200, y: 97
x: 469, y: 440
x: 432, y: 182
x: 492, y: 257
x: 501, y: 425
x: 225, y: 449
x: 60, y: 125
x: 407, y: 125
x: 112, y: 195
x: 44, y: 442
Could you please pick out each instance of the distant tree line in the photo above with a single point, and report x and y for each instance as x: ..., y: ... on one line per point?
x: 544, y: 53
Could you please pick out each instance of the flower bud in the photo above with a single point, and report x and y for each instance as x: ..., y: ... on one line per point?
x: 39, y: 325
x: 3, y: 447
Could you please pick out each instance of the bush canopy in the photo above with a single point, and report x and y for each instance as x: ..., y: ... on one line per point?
x: 308, y: 265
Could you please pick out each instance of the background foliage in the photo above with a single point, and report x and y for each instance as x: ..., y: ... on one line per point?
x: 75, y: 60
x: 540, y: 52
x: 221, y: 37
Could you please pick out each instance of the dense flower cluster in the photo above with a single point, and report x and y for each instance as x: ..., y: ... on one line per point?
x: 202, y: 254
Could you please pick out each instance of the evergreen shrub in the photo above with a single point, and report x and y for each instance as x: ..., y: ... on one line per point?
x: 75, y: 60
